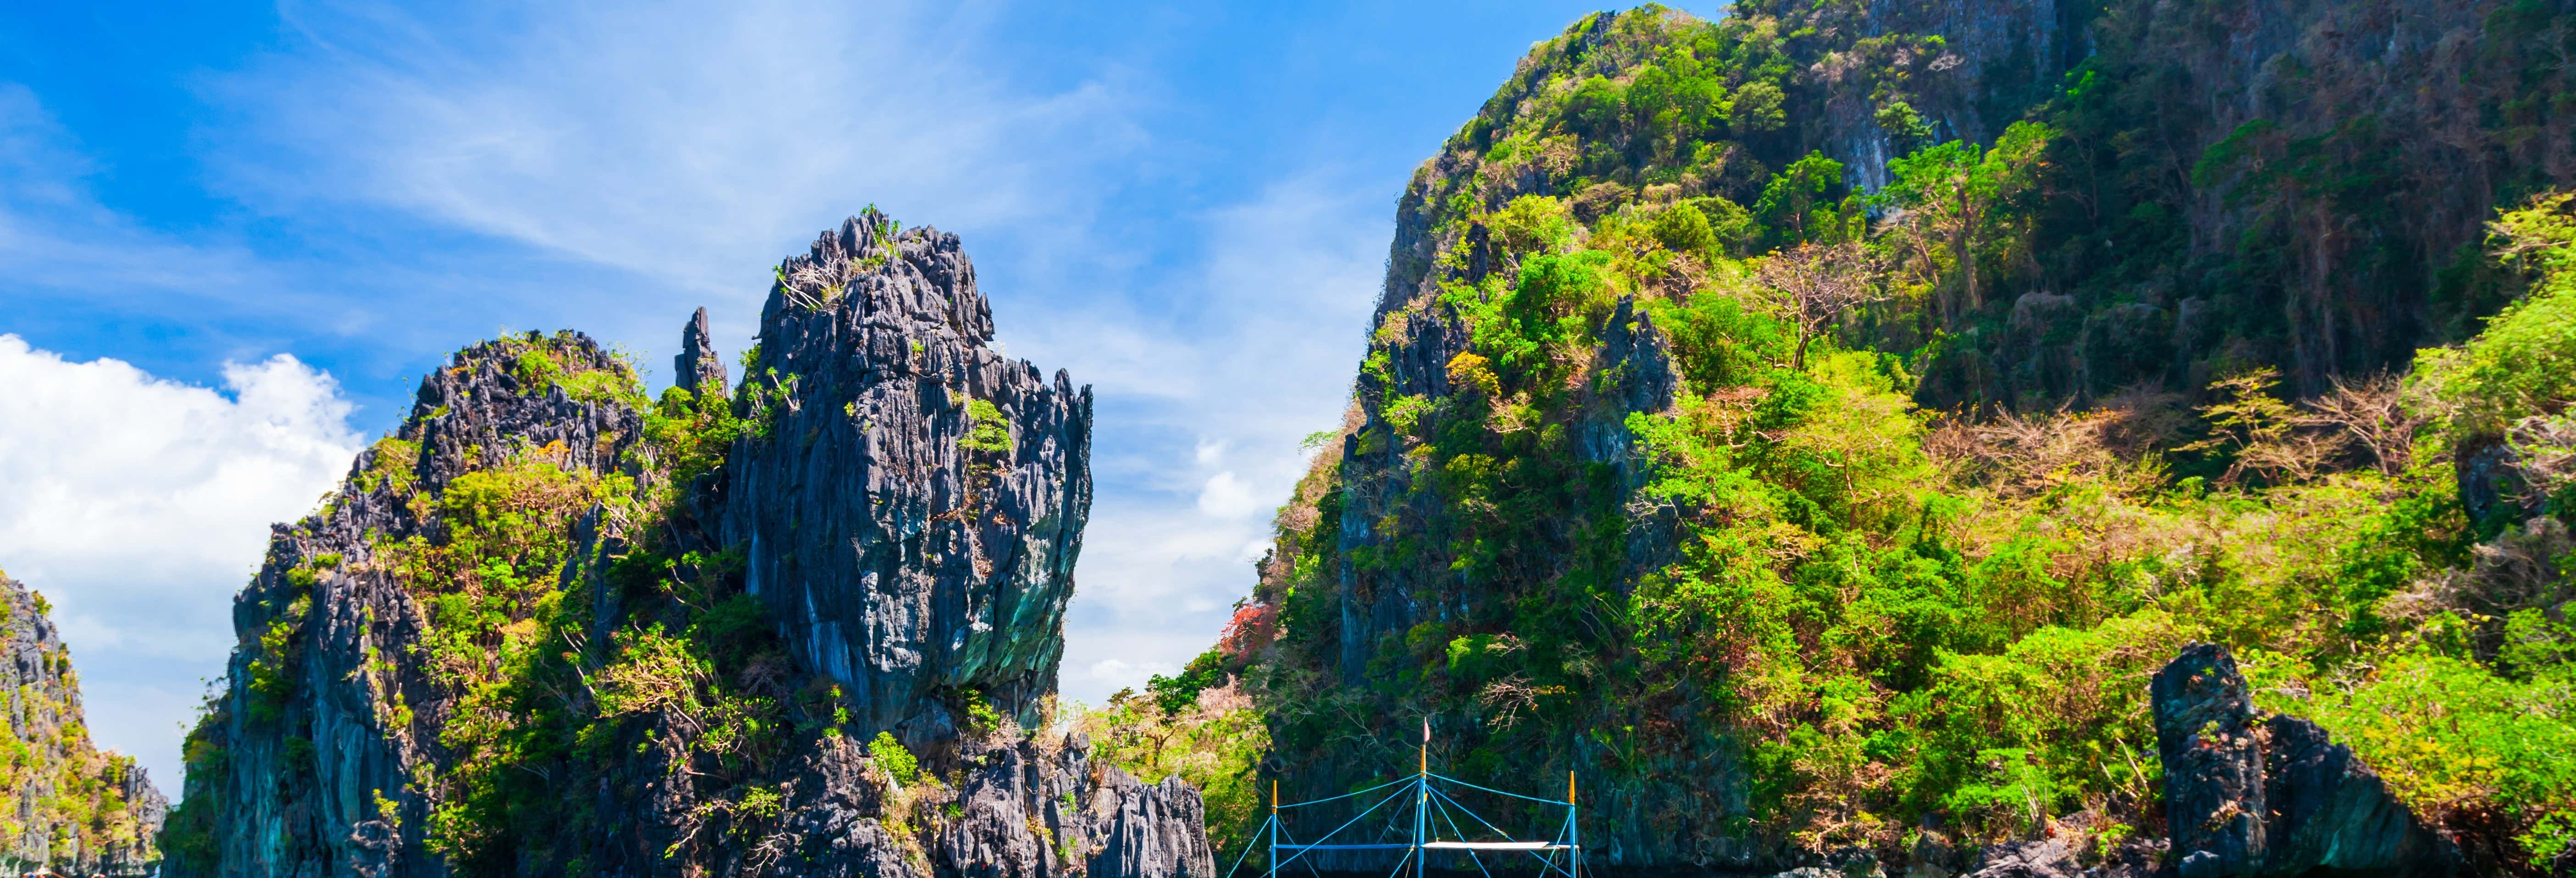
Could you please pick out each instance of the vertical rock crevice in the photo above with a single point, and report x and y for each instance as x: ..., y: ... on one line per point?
x: 911, y: 501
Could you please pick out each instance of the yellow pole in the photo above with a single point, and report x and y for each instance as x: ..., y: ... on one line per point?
x: 1573, y: 829
x: 1422, y: 801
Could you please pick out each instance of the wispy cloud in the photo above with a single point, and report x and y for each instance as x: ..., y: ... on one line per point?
x: 56, y: 239
x: 689, y: 144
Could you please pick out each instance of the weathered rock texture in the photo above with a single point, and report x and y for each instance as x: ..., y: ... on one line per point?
x: 71, y: 808
x: 696, y: 368
x: 904, y: 503
x: 2065, y: 856
x: 2273, y: 796
x: 2433, y: 103
x: 905, y: 561
x: 2212, y: 125
x: 288, y: 766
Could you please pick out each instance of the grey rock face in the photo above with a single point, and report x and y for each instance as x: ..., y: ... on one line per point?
x: 44, y: 703
x: 905, y: 557
x: 1149, y: 830
x: 2063, y: 857
x: 2275, y: 797
x: 2051, y: 858
x: 908, y: 505
x: 2333, y: 813
x: 1634, y: 372
x: 312, y: 750
x: 1024, y: 810
x: 2213, y: 765
x: 696, y: 368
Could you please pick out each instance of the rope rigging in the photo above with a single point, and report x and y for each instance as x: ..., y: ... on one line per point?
x: 1423, y: 807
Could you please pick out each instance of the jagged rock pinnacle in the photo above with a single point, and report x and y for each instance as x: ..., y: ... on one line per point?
x: 697, y: 367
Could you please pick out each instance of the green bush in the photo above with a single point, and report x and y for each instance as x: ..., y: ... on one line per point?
x: 2451, y: 736
x: 1176, y: 693
x: 893, y: 759
x: 2524, y: 361
x: 987, y: 430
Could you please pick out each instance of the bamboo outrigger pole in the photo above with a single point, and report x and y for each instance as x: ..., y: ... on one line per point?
x: 1573, y: 829
x: 1422, y: 797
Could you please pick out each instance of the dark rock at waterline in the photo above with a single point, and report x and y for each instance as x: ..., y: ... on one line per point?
x: 2273, y: 797
x: 1027, y: 808
x: 2064, y: 857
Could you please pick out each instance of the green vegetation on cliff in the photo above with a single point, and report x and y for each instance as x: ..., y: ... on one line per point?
x: 1775, y: 602
x: 77, y: 808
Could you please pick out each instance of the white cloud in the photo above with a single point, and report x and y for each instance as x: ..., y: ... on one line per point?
x: 1121, y: 672
x: 1228, y: 497
x: 139, y: 506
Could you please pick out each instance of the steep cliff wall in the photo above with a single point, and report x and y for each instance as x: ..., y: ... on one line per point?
x: 1597, y: 507
x: 72, y: 808
x: 325, y: 752
x: 2295, y: 183
x: 916, y: 521
x: 808, y: 627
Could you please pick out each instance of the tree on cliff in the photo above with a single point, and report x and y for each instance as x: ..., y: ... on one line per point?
x: 1950, y: 193
x: 1814, y: 285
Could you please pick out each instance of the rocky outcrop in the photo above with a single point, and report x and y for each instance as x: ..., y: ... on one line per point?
x: 2065, y: 856
x: 71, y: 808
x: 897, y: 505
x: 331, y: 714
x: 696, y: 368
x: 1026, y: 808
x: 2273, y: 797
x: 913, y: 517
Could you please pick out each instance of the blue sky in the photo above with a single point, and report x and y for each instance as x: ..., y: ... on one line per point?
x: 233, y: 235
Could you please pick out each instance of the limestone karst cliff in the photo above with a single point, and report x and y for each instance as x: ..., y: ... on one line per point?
x: 2253, y: 795
x: 1815, y: 427
x: 805, y: 627
x: 917, y: 530
x: 71, y: 808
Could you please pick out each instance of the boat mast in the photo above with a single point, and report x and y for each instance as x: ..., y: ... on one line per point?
x: 1573, y: 829
x: 1421, y: 797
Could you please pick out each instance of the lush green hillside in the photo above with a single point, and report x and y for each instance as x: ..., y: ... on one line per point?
x: 1813, y: 429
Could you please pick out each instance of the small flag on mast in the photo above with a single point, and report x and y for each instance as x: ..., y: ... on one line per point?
x: 1426, y: 730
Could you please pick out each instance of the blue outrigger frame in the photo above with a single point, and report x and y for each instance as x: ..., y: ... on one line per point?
x: 1426, y: 835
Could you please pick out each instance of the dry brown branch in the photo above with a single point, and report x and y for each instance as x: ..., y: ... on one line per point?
x: 2544, y: 450
x: 2375, y: 411
x: 1816, y: 284
x: 2517, y: 570
x: 2026, y: 455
